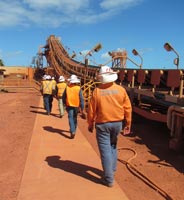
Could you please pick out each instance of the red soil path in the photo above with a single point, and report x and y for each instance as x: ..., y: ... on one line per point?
x: 149, y: 140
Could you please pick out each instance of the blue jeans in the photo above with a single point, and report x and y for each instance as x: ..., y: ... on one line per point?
x: 72, y: 118
x: 107, y: 137
x: 48, y: 98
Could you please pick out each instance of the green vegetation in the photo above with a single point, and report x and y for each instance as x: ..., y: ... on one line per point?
x: 1, y: 62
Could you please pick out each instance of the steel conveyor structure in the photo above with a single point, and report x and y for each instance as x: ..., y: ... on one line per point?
x: 61, y: 63
x: 155, y: 94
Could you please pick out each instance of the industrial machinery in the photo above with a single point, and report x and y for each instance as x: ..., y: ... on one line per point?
x: 155, y: 94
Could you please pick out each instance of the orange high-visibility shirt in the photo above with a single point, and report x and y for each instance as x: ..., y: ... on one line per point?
x: 72, y: 95
x: 109, y: 104
x: 61, y: 87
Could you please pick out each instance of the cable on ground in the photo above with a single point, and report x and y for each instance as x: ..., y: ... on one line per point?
x: 141, y: 176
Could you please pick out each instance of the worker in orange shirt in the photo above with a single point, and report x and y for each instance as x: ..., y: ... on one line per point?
x: 60, y: 88
x: 73, y: 99
x: 108, y: 108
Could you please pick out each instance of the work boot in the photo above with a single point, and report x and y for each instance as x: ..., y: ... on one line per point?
x: 72, y: 135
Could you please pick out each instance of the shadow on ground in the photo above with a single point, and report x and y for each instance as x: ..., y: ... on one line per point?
x: 56, y: 130
x: 85, y: 171
x: 156, y: 138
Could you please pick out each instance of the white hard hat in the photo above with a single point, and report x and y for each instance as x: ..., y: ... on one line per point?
x: 73, y: 79
x: 48, y: 77
x: 44, y: 77
x: 107, y: 75
x: 106, y: 70
x: 61, y: 79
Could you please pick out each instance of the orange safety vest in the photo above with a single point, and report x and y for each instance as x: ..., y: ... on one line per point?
x: 61, y: 87
x: 72, y: 95
x: 47, y: 87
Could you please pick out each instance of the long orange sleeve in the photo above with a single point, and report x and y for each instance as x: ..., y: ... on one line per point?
x: 109, y: 103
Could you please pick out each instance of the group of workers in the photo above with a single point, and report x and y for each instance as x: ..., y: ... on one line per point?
x: 109, y: 111
x: 69, y: 95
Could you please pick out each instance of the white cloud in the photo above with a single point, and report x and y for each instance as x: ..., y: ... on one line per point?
x: 15, y: 53
x: 12, y: 14
x: 54, y: 13
x: 106, y: 55
x: 9, y: 55
x: 62, y: 5
x: 146, y: 50
x: 118, y: 4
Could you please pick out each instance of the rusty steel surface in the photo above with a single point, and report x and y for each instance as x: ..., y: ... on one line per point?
x: 151, y: 91
x: 58, y: 59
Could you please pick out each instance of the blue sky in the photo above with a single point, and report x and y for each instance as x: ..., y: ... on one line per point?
x: 144, y: 25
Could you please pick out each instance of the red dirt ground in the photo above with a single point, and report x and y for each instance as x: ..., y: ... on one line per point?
x: 149, y: 140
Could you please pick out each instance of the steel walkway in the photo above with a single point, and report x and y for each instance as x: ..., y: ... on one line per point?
x: 58, y: 167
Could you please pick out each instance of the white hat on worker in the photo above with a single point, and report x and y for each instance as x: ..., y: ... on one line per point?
x: 48, y: 77
x: 44, y: 77
x: 74, y: 79
x: 61, y: 79
x: 107, y: 75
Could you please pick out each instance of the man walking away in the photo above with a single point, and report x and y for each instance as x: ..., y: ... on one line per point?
x: 60, y: 88
x: 73, y: 99
x: 109, y: 106
x: 47, y: 90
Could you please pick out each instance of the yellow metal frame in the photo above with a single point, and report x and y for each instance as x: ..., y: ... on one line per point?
x: 87, y: 89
